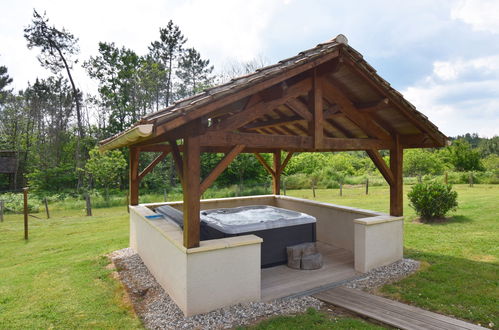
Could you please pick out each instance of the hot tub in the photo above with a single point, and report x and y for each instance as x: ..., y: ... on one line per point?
x: 277, y: 227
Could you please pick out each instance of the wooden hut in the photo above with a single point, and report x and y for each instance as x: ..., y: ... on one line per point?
x: 9, y: 165
x: 325, y: 99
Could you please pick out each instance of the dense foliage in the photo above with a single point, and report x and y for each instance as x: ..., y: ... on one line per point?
x: 432, y: 200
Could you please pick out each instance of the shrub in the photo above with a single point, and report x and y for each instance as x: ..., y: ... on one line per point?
x: 432, y: 199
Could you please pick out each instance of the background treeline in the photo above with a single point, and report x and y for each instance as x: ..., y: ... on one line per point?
x: 53, y: 126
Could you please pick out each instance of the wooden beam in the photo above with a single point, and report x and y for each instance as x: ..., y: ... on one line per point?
x: 276, y: 179
x: 191, y: 191
x: 260, y: 108
x: 160, y: 147
x: 396, y: 189
x: 300, y: 109
x: 286, y: 160
x: 177, y: 158
x: 134, y: 176
x: 334, y: 95
x: 152, y: 165
x: 264, y: 164
x: 205, y: 108
x: 289, y: 142
x: 316, y: 107
x: 381, y: 165
x: 256, y: 140
x: 374, y: 106
x: 274, y: 122
x: 221, y: 166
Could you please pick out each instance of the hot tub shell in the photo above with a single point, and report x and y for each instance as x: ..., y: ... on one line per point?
x: 285, y: 229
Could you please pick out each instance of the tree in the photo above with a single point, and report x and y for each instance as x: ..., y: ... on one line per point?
x: 195, y: 73
x: 420, y: 162
x: 166, y: 51
x: 462, y: 157
x: 5, y: 80
x: 57, y: 47
x: 105, y: 168
x: 489, y: 146
x: 117, y: 69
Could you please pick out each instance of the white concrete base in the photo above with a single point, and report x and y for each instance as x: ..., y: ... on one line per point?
x: 379, y: 241
x: 219, y: 273
x: 224, y: 272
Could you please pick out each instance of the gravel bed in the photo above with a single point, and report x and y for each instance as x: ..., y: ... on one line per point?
x: 384, y: 275
x: 158, y: 311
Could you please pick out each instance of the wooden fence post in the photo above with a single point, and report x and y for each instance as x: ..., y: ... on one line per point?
x: 46, y: 207
x: 367, y: 186
x: 1, y: 211
x: 25, y: 193
x: 88, y: 205
x: 341, y: 188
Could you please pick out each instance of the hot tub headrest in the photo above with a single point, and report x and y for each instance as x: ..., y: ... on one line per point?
x: 172, y: 214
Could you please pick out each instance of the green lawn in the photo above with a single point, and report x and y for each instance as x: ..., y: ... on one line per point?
x: 58, y: 278
x: 460, y: 273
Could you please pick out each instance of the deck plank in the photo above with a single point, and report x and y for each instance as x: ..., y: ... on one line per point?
x: 282, y: 281
x: 390, y: 312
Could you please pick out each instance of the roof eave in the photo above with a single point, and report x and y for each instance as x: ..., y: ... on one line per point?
x: 136, y: 134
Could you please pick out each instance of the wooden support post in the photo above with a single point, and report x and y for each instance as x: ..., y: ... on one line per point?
x: 367, y: 186
x: 88, y: 205
x: 45, y: 202
x: 134, y: 176
x: 396, y: 189
x: 1, y: 211
x: 25, y: 193
x: 316, y: 107
x: 191, y: 185
x: 276, y: 179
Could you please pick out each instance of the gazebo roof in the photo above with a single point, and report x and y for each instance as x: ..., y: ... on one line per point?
x: 327, y: 98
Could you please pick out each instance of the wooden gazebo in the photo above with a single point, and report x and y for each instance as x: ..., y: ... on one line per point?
x: 324, y: 99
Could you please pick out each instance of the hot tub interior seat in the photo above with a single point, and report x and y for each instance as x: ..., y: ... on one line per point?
x: 277, y: 227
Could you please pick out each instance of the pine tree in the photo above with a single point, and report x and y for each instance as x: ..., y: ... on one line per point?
x: 167, y: 51
x: 195, y: 74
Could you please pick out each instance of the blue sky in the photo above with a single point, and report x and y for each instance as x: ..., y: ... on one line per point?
x: 442, y: 55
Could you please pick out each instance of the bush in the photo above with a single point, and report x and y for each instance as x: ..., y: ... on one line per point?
x: 432, y: 199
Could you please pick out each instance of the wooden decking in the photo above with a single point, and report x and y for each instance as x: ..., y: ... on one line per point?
x: 390, y: 312
x: 282, y: 281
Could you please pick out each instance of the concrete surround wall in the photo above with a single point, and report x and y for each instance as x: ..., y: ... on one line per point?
x: 224, y: 272
x: 218, y: 273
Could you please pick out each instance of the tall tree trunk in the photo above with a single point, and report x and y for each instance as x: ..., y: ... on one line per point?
x: 81, y: 133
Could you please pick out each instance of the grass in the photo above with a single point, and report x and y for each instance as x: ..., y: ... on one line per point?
x: 460, y: 257
x: 58, y: 278
x: 312, y: 319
